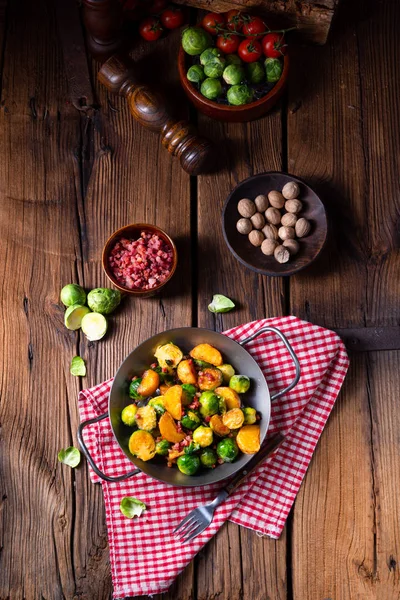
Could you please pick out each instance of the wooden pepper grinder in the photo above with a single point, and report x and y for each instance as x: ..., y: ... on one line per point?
x: 147, y: 107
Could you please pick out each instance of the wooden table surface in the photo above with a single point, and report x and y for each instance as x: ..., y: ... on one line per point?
x: 69, y: 178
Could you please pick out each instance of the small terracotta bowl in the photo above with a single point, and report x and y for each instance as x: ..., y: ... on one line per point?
x: 224, y: 112
x: 133, y: 232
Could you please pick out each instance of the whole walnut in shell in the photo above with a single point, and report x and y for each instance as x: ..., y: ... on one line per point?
x: 258, y: 221
x: 290, y: 190
x: 292, y: 245
x: 281, y: 254
x: 302, y: 227
x: 276, y: 199
x: 293, y: 206
x: 256, y: 237
x: 261, y: 203
x: 273, y: 216
x: 244, y: 226
x: 270, y: 232
x: 268, y: 247
x: 286, y: 233
x: 246, y: 208
x: 289, y: 219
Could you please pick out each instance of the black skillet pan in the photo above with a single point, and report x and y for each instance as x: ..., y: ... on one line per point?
x: 186, y: 338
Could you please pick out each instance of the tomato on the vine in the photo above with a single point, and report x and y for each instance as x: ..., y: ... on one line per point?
x: 250, y: 50
x: 156, y: 7
x: 274, y: 45
x: 211, y: 22
x: 228, y: 43
x: 150, y: 29
x: 254, y: 28
x: 172, y: 18
x: 234, y: 20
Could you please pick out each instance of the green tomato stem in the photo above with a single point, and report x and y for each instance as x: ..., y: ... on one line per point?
x: 239, y: 33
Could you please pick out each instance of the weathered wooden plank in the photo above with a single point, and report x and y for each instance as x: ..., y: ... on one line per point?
x: 224, y: 568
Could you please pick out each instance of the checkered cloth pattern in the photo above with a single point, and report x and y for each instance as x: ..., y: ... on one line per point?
x: 145, y: 557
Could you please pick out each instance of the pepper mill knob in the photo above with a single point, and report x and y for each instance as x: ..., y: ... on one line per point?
x: 147, y: 107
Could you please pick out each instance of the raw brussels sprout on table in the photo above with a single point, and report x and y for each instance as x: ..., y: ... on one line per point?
x: 73, y: 294
x: 103, y: 300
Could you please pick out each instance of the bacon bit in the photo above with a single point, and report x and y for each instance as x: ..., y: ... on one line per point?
x: 207, y: 419
x: 153, y: 365
x: 179, y: 426
x: 220, y: 461
x: 164, y: 370
x: 135, y: 377
x: 169, y: 464
x: 258, y: 418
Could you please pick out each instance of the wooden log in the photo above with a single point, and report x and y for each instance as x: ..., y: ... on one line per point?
x: 313, y: 18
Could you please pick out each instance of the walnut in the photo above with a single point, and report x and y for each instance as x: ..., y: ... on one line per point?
x: 246, y: 208
x: 281, y: 254
x: 273, y: 216
x: 268, y: 247
x: 258, y: 221
x: 276, y: 199
x: 261, y: 203
x: 292, y: 245
x: 256, y: 237
x: 293, y: 206
x: 286, y: 233
x: 290, y: 190
x: 302, y: 227
x: 289, y: 219
x: 270, y: 232
x: 244, y: 226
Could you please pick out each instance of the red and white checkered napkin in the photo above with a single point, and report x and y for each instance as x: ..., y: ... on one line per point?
x: 145, y: 557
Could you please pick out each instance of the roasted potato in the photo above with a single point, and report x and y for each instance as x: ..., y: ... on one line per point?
x: 172, y: 401
x: 186, y: 371
x: 207, y: 353
x: 218, y: 426
x: 248, y: 439
x: 168, y: 429
x: 149, y: 383
x: 232, y: 398
x: 209, y: 379
x: 142, y: 445
x: 233, y: 419
x: 164, y: 387
x: 227, y: 371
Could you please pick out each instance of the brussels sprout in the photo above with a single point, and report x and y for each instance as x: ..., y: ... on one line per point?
x: 202, y: 364
x: 188, y: 464
x: 232, y: 75
x: 211, y: 88
x: 227, y: 449
x: 128, y: 415
x: 158, y: 405
x: 73, y: 316
x: 214, y: 69
x: 133, y: 389
x: 103, y: 300
x: 203, y: 436
x: 239, y: 383
x: 233, y: 59
x: 192, y: 448
x: 227, y: 371
x: 208, y: 458
x: 273, y: 69
x: 189, y: 391
x: 239, y: 94
x: 209, y: 404
x: 191, y: 420
x: 210, y: 55
x: 221, y: 405
x: 196, y: 74
x: 94, y: 326
x: 255, y: 72
x: 146, y: 418
x: 70, y: 456
x: 195, y: 40
x: 250, y: 415
x: 162, y: 447
x: 72, y: 294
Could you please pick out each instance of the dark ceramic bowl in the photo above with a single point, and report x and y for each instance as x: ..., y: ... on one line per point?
x: 252, y: 257
x: 133, y: 232
x: 224, y: 112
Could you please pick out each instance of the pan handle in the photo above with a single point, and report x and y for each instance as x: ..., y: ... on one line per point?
x: 289, y: 349
x: 90, y: 459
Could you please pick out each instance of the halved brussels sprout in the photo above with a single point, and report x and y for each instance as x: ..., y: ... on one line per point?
x: 195, y: 40
x: 227, y: 371
x: 250, y: 415
x: 195, y: 74
x: 146, y: 418
x: 209, y: 404
x: 239, y: 383
x: 203, y: 436
x: 142, y: 445
x: 169, y: 356
x: 162, y: 447
x: 128, y: 415
x: 227, y: 449
x: 188, y: 464
x: 239, y: 94
x: 191, y: 420
x: 211, y: 88
x: 208, y: 458
x: 233, y: 419
x: 158, y: 405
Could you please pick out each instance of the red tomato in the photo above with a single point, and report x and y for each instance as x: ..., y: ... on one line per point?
x: 211, y: 22
x: 274, y: 45
x: 228, y: 43
x: 250, y: 50
x: 156, y: 7
x: 172, y: 18
x: 234, y: 20
x: 150, y: 29
x: 254, y: 27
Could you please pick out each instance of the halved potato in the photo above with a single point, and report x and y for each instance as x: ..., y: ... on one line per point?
x: 172, y: 401
x: 207, y: 353
x: 169, y: 356
x: 218, y: 426
x: 248, y: 439
x: 232, y: 398
x: 164, y: 387
x: 149, y: 384
x: 233, y: 419
x: 209, y: 379
x: 168, y: 429
x: 187, y: 372
x: 142, y: 445
x: 146, y: 418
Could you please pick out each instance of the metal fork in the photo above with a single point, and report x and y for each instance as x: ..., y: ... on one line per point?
x: 200, y: 518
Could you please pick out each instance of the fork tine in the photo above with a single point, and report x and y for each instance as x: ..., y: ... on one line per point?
x: 195, y: 532
x: 185, y: 520
x: 186, y: 530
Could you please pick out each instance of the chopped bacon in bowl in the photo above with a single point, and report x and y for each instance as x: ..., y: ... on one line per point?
x: 143, y: 263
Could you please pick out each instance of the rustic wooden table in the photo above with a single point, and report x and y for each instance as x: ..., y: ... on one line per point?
x: 68, y: 179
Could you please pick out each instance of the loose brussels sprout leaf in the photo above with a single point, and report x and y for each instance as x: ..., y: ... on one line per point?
x: 214, y: 69
x: 255, y: 72
x: 103, y: 300
x: 73, y: 294
x: 273, y: 68
x: 78, y: 367
x: 202, y: 364
x: 74, y: 315
x: 195, y: 74
x: 195, y: 40
x: 192, y: 448
x: 220, y: 304
x: 189, y: 389
x: 239, y: 94
x: 70, y: 456
x: 133, y: 393
x: 233, y: 59
x: 131, y: 507
x: 94, y: 326
x: 233, y: 74
x: 210, y: 55
x: 211, y: 88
